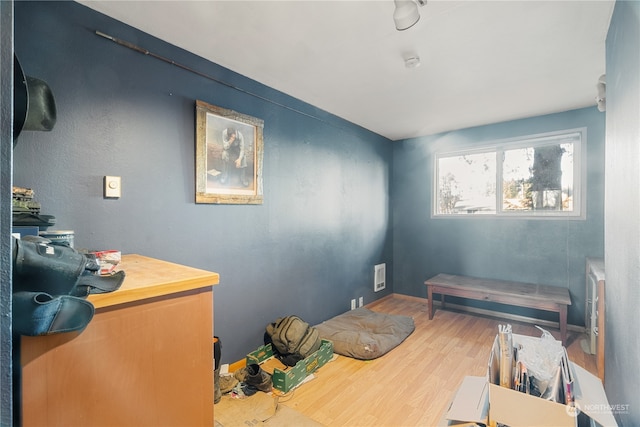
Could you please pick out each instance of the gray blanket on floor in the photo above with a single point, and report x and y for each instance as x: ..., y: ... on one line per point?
x: 365, y: 334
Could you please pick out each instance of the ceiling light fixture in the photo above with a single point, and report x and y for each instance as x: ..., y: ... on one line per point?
x: 406, y: 14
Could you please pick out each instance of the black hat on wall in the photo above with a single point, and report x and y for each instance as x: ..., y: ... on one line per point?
x: 33, y: 105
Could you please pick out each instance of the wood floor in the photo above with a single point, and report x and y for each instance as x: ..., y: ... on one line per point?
x: 413, y: 384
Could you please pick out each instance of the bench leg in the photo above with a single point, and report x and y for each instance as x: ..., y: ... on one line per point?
x: 430, y: 303
x: 563, y: 324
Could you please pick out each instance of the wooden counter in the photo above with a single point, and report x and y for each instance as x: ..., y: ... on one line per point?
x: 145, y: 359
x: 149, y: 277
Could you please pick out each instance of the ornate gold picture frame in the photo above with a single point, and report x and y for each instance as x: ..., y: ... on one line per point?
x: 229, y: 150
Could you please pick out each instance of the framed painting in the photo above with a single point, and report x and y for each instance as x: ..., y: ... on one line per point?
x: 229, y: 148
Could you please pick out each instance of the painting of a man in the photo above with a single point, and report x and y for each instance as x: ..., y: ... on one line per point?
x: 233, y: 155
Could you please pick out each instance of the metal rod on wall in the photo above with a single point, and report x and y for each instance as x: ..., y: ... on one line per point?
x: 201, y: 74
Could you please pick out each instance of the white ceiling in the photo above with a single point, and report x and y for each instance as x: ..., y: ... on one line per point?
x: 481, y: 61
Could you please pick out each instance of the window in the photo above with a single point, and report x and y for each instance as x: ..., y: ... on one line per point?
x: 538, y: 176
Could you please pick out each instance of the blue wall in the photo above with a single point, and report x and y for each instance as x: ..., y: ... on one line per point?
x: 6, y: 119
x: 538, y: 251
x: 622, y: 241
x: 309, y: 249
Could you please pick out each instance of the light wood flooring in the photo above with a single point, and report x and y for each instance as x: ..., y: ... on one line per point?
x: 413, y: 384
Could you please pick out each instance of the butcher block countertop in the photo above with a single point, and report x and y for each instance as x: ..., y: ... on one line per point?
x: 149, y: 277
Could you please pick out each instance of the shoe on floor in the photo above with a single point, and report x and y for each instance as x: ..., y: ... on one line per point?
x: 240, y: 374
x: 258, y: 378
x: 227, y: 382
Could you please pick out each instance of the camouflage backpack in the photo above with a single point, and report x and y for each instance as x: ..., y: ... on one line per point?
x: 292, y: 339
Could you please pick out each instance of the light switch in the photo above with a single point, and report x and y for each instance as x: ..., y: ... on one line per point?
x: 112, y: 186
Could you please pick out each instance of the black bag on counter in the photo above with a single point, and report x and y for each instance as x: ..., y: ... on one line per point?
x: 50, y: 284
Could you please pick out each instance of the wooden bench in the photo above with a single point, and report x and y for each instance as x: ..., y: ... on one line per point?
x: 541, y: 297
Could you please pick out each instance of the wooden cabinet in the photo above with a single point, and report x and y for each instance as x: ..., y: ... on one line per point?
x: 146, y: 358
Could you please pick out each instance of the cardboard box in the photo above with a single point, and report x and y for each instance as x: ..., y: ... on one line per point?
x: 470, y: 406
x: 513, y: 408
x: 287, y: 378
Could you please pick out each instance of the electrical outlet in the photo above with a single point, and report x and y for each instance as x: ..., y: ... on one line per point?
x: 353, y: 304
x: 360, y: 301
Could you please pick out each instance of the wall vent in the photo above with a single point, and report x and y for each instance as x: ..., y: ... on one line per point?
x: 379, y: 279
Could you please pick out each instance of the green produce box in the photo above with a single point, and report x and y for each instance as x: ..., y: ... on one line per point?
x: 286, y: 379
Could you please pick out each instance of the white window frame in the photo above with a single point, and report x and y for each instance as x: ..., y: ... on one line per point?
x: 579, y: 178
